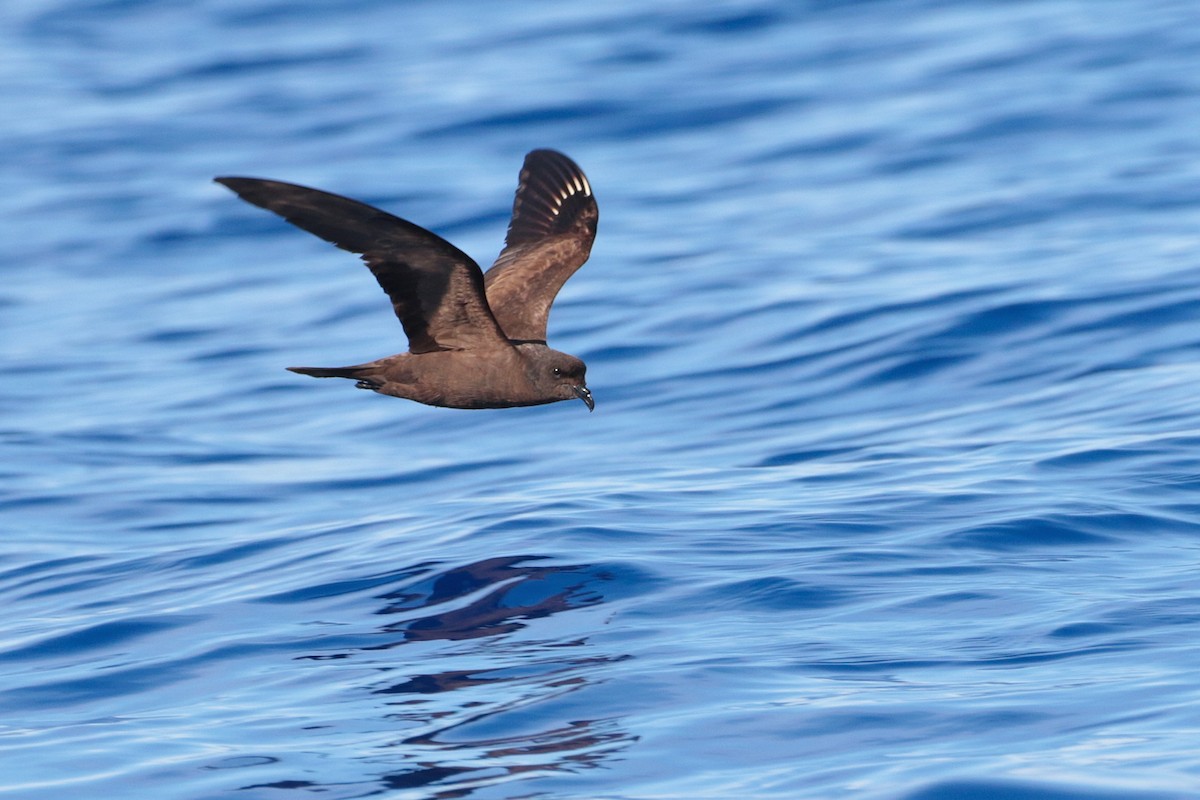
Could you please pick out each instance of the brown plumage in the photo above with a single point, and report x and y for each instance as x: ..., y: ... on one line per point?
x: 475, y: 340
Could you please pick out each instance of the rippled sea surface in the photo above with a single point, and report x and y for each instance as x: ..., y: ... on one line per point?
x: 893, y: 485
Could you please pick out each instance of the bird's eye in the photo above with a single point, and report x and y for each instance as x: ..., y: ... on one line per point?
x: 557, y: 372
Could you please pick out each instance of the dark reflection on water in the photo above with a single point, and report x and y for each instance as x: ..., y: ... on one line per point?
x: 512, y: 680
x: 511, y: 596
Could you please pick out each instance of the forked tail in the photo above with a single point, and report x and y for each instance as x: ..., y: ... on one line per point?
x: 358, y: 372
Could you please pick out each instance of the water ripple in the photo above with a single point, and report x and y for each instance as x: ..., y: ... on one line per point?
x: 890, y: 486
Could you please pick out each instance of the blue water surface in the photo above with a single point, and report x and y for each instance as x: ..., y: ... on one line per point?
x: 893, y: 485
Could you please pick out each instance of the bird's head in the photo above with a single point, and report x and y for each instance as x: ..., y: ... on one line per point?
x: 563, y: 377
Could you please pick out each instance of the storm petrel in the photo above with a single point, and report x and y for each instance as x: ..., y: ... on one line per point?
x: 475, y: 340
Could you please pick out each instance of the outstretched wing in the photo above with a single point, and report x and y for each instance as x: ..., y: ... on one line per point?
x: 550, y: 236
x: 435, y: 288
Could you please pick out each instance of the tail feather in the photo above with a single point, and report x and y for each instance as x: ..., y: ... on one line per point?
x: 358, y: 372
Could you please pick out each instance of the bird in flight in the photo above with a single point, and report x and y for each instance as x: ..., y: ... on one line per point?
x: 475, y: 339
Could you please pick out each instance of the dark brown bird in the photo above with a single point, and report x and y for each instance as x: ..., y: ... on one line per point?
x: 474, y: 340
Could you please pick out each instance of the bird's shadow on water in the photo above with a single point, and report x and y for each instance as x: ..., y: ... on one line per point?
x: 496, y: 709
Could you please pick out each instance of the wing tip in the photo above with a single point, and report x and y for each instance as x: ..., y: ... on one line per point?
x: 240, y: 185
x: 553, y: 196
x: 561, y: 167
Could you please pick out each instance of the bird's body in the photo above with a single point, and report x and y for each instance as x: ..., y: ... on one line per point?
x: 500, y: 378
x: 475, y: 341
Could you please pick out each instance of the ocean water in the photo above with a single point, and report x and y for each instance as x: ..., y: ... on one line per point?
x: 893, y: 485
